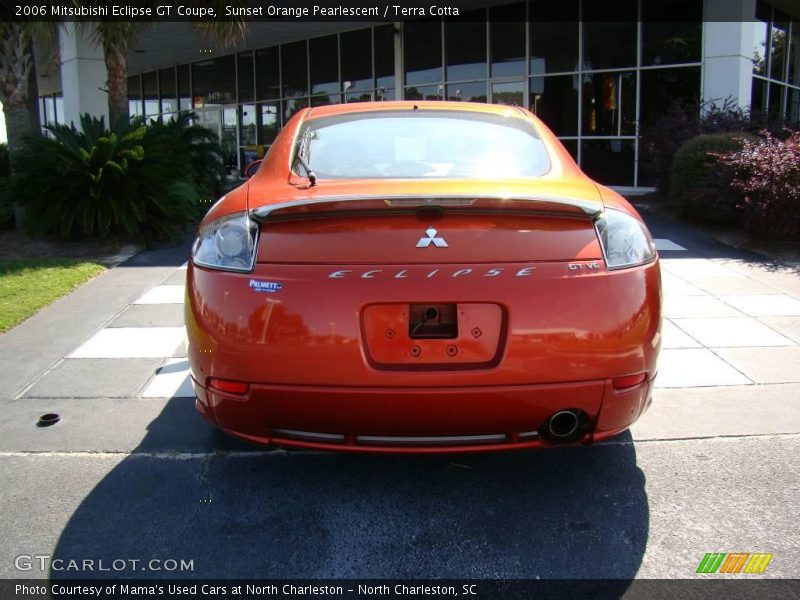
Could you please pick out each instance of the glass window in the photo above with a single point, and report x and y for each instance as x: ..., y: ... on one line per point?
x: 511, y: 93
x: 665, y: 42
x: 609, y: 45
x: 268, y: 83
x: 661, y: 88
x: 431, y: 144
x: 423, y: 51
x: 554, y: 44
x: 247, y: 124
x: 184, y: 89
x: 384, y: 94
x: 212, y: 83
x: 269, y: 122
x: 609, y: 103
x: 425, y: 92
x: 775, y: 106
x: 794, y: 54
x: 609, y: 162
x: 150, y: 91
x: 134, y: 96
x: 759, y: 96
x: 384, y: 56
x: 760, y: 38
x: 294, y: 68
x: 358, y: 97
x: 793, y: 107
x: 779, y: 39
x: 507, y: 39
x: 473, y: 91
x: 572, y: 148
x: 227, y: 139
x: 356, y: 49
x: 166, y: 84
x: 554, y: 100
x: 465, y: 50
x: 325, y: 65
x: 247, y: 92
x: 292, y: 107
x: 59, y: 103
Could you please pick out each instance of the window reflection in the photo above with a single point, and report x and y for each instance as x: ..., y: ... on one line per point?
x: 150, y: 92
x: 423, y: 51
x: 465, y: 50
x: 166, y: 84
x: 474, y: 91
x: 608, y: 160
x: 608, y: 45
x: 779, y: 38
x: 794, y: 54
x: 609, y: 103
x: 294, y: 68
x: 665, y: 42
x: 270, y: 123
x: 245, y: 77
x: 268, y: 86
x: 507, y: 35
x: 554, y: 44
x: 511, y: 93
x: 356, y: 49
x: 554, y: 100
x: 324, y: 65
x: 760, y: 38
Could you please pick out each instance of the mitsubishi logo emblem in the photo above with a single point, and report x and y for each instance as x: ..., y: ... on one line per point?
x: 424, y: 242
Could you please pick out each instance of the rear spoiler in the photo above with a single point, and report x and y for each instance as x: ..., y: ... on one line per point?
x: 321, y: 206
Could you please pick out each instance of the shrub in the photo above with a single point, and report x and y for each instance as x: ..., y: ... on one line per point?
x: 130, y: 180
x: 683, y: 121
x: 201, y: 146
x: 766, y: 172
x: 699, y: 185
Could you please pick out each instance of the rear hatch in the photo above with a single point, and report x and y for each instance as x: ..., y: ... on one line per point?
x: 428, y: 237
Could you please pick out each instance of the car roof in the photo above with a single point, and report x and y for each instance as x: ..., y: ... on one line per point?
x: 406, y: 105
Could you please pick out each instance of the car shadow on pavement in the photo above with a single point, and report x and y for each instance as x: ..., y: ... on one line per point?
x: 240, y: 511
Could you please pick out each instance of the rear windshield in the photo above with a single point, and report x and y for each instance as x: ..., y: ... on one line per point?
x: 429, y: 144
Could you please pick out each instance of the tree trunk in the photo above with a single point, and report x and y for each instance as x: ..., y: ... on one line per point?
x: 18, y: 91
x: 117, y: 67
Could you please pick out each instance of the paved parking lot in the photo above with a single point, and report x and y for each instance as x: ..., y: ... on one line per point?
x: 133, y: 472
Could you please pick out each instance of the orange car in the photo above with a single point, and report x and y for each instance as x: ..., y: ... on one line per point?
x: 422, y: 277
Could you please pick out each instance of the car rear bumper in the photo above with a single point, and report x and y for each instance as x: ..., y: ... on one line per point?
x: 324, y: 372
x: 420, y: 420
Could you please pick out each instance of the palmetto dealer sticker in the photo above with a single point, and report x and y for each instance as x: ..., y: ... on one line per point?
x: 265, y: 286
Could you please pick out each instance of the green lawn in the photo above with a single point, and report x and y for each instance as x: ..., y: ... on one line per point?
x: 26, y: 285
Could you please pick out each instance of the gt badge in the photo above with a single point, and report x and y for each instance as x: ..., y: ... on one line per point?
x: 424, y: 242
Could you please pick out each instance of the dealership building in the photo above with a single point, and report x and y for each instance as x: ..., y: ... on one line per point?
x: 597, y: 84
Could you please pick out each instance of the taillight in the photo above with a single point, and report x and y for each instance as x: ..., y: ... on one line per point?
x: 230, y: 387
x: 628, y: 381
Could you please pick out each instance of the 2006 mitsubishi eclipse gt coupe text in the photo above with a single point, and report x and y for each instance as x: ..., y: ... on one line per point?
x: 422, y: 277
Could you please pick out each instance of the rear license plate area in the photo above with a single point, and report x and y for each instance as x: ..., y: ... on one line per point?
x: 433, y: 335
x: 432, y: 322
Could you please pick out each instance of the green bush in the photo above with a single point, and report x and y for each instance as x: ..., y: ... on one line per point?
x: 6, y: 204
x: 131, y: 180
x: 698, y: 184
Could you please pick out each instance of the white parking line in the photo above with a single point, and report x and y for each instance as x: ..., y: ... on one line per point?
x: 664, y: 245
x: 171, y: 381
x: 163, y: 294
x: 131, y: 342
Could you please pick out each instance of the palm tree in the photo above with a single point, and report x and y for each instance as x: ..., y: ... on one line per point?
x: 18, y: 89
x: 115, y: 37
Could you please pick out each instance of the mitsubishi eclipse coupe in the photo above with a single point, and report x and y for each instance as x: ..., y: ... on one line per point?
x: 422, y: 277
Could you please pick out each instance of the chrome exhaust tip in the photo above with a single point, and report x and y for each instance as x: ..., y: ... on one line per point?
x: 563, y: 426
